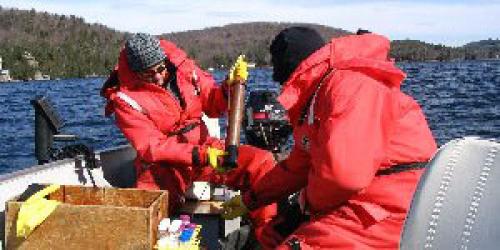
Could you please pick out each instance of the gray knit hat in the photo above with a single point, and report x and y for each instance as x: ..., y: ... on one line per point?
x: 143, y: 51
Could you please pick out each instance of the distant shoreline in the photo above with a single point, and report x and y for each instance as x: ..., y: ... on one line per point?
x: 255, y: 68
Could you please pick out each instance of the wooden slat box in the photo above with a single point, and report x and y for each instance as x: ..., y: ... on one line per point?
x: 93, y: 218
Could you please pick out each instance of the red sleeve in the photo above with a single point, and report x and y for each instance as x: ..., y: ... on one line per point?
x: 213, y: 96
x: 287, y: 178
x: 151, y: 144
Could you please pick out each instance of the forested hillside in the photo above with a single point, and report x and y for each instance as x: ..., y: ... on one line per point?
x: 414, y: 50
x: 484, y: 49
x: 220, y: 45
x: 67, y: 46
x: 64, y: 46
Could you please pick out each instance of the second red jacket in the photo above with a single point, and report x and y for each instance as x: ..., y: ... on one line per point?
x: 350, y: 120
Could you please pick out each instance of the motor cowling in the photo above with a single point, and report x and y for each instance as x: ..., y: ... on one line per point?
x: 266, y: 123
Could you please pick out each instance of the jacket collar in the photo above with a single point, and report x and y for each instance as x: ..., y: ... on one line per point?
x: 363, y: 53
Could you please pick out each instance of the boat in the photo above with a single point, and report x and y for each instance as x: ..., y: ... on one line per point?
x: 455, y: 203
x: 111, y: 167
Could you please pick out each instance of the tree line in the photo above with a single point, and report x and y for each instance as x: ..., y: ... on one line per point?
x: 413, y: 50
x: 64, y: 46
x: 219, y: 46
x: 67, y: 46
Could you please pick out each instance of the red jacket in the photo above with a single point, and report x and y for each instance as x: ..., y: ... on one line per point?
x: 360, y: 123
x: 162, y: 113
x: 163, y: 161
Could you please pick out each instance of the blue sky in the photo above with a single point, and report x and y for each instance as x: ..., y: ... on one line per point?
x: 442, y: 22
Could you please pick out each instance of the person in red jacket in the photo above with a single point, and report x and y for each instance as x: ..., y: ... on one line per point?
x: 358, y: 142
x: 158, y: 95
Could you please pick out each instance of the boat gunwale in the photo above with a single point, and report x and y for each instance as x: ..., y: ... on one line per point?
x: 33, y: 169
x: 37, y: 168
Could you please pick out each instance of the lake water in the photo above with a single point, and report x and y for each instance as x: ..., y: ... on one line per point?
x: 459, y: 99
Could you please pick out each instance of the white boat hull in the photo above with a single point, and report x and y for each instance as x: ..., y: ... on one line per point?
x: 115, y: 169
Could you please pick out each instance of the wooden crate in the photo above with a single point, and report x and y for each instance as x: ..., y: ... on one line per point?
x: 93, y: 218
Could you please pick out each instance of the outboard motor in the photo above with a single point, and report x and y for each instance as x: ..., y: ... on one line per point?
x: 266, y: 122
x: 48, y: 126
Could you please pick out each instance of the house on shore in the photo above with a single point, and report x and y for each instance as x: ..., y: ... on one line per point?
x: 4, y: 73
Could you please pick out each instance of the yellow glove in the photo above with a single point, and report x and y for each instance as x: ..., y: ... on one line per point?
x: 233, y: 208
x: 238, y: 70
x: 213, y: 155
x: 35, y: 210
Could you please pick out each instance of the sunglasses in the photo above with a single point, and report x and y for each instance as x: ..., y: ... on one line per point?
x: 149, y: 73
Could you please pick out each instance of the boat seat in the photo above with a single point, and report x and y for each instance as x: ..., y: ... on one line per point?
x: 118, y: 166
x: 456, y: 204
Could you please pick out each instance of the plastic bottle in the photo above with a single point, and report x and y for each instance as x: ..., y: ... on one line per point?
x: 168, y: 243
x: 163, y: 227
x: 185, y: 219
x: 175, y: 226
x: 186, y: 235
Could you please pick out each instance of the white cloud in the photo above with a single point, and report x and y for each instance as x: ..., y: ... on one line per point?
x: 452, y: 23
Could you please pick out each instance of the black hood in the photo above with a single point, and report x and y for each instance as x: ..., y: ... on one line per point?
x: 290, y: 47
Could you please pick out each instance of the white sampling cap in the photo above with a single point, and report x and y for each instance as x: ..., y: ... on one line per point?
x: 164, y: 224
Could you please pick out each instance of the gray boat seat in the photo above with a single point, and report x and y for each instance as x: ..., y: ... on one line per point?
x: 457, y: 202
x: 118, y: 166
